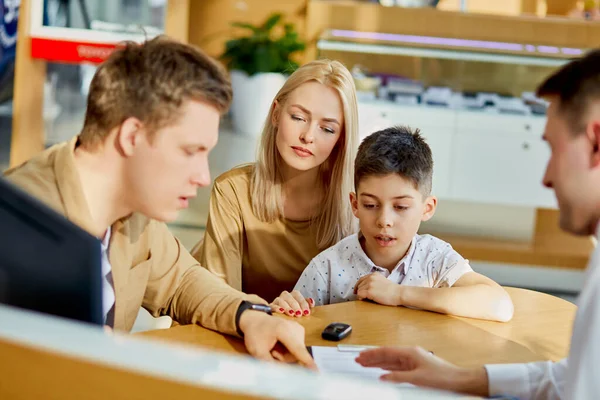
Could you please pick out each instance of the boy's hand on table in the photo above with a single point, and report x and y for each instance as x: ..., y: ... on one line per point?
x: 292, y: 304
x: 378, y: 288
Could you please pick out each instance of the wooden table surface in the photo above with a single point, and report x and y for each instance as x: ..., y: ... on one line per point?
x: 540, y: 330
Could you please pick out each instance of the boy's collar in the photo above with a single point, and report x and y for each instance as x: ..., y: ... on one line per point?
x: 404, y: 260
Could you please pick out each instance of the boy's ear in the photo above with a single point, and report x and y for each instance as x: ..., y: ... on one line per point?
x: 354, y: 203
x: 429, y: 209
x: 129, y: 133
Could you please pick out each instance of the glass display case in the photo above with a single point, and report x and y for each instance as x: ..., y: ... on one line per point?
x: 467, y: 67
x: 67, y: 81
x: 71, y: 36
x: 473, y: 100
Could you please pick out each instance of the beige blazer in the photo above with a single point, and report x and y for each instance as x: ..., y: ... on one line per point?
x: 150, y: 266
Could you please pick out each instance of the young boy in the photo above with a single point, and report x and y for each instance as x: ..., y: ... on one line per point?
x: 387, y: 261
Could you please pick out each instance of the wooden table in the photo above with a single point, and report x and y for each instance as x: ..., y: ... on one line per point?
x: 540, y: 330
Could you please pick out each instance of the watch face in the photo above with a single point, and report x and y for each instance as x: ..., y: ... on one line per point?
x: 262, y: 307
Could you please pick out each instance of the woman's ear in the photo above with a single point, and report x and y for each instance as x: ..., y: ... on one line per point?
x: 276, y: 110
x: 429, y: 209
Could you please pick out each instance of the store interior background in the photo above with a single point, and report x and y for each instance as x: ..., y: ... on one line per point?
x: 66, y: 89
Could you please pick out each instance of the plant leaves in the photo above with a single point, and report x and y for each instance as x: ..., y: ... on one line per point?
x: 271, y: 22
x: 260, y: 51
x: 245, y: 26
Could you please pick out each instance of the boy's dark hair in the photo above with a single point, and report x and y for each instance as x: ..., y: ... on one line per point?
x: 151, y: 81
x: 577, y: 85
x: 396, y: 150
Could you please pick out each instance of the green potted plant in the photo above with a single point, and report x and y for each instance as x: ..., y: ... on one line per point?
x: 259, y: 63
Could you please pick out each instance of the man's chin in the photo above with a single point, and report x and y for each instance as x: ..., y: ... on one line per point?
x: 579, y: 229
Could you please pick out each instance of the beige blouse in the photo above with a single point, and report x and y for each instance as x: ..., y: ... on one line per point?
x: 251, y: 255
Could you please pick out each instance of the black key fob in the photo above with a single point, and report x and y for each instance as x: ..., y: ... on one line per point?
x: 336, y: 331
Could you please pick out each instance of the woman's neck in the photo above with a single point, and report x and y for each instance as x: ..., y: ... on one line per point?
x: 301, y: 193
x: 299, y: 182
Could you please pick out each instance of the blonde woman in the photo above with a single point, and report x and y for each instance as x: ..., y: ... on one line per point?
x: 269, y: 219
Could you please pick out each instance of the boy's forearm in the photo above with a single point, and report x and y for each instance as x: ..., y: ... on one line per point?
x: 421, y: 297
x: 477, y: 301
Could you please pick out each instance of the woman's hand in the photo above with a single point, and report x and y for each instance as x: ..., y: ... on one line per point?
x: 292, y: 304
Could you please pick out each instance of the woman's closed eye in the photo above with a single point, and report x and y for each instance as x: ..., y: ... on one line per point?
x: 369, y: 206
x: 297, y: 118
x: 328, y: 130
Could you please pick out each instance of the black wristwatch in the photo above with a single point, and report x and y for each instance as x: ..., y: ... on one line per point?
x: 246, y: 305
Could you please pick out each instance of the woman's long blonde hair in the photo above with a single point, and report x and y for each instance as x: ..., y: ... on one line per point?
x: 335, y: 221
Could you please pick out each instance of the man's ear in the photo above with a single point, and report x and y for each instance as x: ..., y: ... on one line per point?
x: 354, y: 204
x: 129, y: 134
x: 429, y: 209
x: 593, y: 133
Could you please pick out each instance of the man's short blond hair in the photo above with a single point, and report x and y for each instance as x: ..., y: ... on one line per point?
x: 151, y: 81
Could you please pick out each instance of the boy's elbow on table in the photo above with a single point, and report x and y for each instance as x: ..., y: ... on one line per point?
x: 495, y: 305
x: 505, y: 308
x: 501, y: 303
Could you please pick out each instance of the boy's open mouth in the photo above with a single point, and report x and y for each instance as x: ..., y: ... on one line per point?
x: 385, y: 240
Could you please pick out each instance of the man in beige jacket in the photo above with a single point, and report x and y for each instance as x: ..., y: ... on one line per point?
x: 152, y: 117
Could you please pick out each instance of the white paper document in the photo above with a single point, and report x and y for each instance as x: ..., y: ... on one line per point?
x: 341, y: 360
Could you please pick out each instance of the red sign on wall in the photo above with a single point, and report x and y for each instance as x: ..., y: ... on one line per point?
x: 69, y: 51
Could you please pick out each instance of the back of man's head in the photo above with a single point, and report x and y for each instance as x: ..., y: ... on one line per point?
x: 150, y: 82
x: 577, y: 87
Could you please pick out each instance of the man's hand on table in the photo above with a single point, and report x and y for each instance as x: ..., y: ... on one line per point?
x: 262, y: 332
x: 420, y: 367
